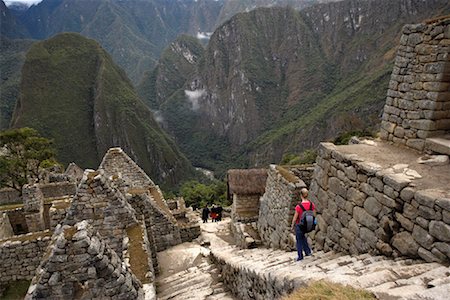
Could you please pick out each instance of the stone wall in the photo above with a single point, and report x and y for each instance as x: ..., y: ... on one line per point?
x: 58, y: 211
x: 277, y: 208
x: 58, y: 189
x: 17, y: 221
x: 245, y: 208
x: 245, y: 234
x: 81, y: 265
x: 366, y: 209
x: 21, y: 255
x: 418, y: 98
x: 9, y: 196
x: 189, y: 232
x: 104, y: 207
x: 305, y: 172
x: 117, y: 163
x: 248, y: 284
x: 6, y: 230
x: 33, y: 207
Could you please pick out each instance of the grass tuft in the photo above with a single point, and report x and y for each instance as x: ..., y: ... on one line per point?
x: 323, y: 290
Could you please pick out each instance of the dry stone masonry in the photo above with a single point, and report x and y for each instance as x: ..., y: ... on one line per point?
x: 117, y: 162
x: 365, y: 208
x: 418, y: 99
x: 104, y: 207
x: 80, y: 264
x: 6, y: 230
x: 33, y: 201
x: 277, y: 208
x: 21, y: 255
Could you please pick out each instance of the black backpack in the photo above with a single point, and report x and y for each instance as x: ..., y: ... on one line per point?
x: 307, y: 219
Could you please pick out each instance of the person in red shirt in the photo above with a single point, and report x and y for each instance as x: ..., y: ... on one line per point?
x: 301, y: 240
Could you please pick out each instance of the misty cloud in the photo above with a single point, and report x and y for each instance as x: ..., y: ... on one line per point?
x: 204, y: 35
x: 193, y: 97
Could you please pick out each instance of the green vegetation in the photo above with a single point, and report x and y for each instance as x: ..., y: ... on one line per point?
x: 74, y: 93
x: 345, y: 137
x: 198, y: 194
x: 25, y: 153
x: 306, y: 157
x: 323, y: 290
x: 11, y: 61
x: 16, y: 290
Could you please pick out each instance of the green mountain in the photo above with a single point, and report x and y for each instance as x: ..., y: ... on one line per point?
x: 276, y: 80
x: 72, y: 92
x: 11, y: 61
x: 134, y: 32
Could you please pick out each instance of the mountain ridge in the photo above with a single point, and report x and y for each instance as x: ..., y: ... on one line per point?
x: 271, y: 83
x: 70, y: 82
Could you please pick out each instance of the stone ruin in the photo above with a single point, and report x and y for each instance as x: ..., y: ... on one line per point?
x: 80, y: 264
x: 417, y: 110
x: 388, y: 196
x: 117, y: 208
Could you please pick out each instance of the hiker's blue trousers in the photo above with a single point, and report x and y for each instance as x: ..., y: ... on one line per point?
x: 302, y: 243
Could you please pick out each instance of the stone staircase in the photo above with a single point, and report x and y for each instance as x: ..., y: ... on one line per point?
x: 386, y: 278
x: 268, y: 274
x: 201, y: 280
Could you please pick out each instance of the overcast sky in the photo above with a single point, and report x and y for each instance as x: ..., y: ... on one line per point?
x: 28, y: 2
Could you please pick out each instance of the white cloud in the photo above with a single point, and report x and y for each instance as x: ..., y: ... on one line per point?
x: 204, y: 35
x: 27, y: 2
x: 193, y: 97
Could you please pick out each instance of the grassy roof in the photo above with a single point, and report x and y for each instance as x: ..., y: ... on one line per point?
x: 247, y: 181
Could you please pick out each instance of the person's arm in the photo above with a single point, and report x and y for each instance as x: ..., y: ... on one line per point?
x: 294, y: 219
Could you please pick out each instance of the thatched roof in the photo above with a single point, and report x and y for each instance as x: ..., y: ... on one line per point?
x: 247, y: 181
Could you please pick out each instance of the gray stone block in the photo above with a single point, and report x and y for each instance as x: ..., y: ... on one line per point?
x: 404, y: 222
x: 372, y: 206
x: 405, y: 244
x: 440, y: 230
x: 364, y: 218
x: 422, y: 237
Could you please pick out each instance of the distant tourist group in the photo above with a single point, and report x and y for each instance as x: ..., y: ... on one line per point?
x: 215, y: 213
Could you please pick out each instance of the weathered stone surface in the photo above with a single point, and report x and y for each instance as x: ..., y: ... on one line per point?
x: 407, y: 194
x: 422, y: 237
x: 440, y: 230
x: 405, y: 222
x: 385, y: 200
x: 377, y: 184
x: 337, y: 187
x: 364, y: 218
x: 356, y: 196
x: 396, y: 181
x: 372, y: 206
x: 427, y: 255
x: 427, y: 197
x: 368, y: 236
x: 405, y: 243
x: 443, y: 202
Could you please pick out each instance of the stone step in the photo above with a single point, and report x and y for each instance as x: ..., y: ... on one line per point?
x: 439, y: 145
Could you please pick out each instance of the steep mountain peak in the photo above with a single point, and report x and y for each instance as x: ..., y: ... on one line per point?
x: 73, y: 93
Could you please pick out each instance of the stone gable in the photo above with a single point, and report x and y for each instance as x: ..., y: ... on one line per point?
x: 104, y: 207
